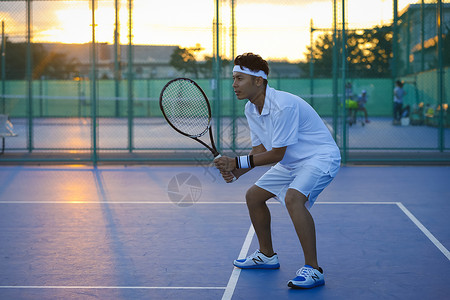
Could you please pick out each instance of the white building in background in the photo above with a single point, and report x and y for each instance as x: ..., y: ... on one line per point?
x: 148, y: 61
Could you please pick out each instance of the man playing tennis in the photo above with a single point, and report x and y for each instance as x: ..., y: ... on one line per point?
x: 285, y: 131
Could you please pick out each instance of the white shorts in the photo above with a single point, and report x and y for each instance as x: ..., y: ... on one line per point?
x: 307, y: 179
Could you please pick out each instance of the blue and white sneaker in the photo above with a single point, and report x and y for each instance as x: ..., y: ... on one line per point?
x: 258, y: 261
x: 307, y: 277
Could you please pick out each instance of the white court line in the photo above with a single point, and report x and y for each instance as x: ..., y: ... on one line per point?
x: 427, y: 233
x: 228, y: 294
x: 364, y: 203
x: 419, y: 225
x: 111, y: 287
x: 113, y: 202
x: 169, y: 202
x: 229, y: 291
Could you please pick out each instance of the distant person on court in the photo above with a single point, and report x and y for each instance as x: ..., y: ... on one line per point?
x: 399, y: 93
x: 350, y: 103
x: 362, y: 100
x: 348, y: 91
x: 286, y: 131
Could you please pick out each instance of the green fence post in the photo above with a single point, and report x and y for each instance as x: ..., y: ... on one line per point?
x: 217, y: 74
x: 233, y: 95
x: 94, y: 89
x: 335, y: 72
x: 3, y: 53
x: 29, y: 76
x: 130, y: 77
x: 440, y: 80
x: 408, y: 42
x: 395, y: 52
x: 311, y: 65
x: 422, y: 36
x: 116, y: 59
x: 344, y: 75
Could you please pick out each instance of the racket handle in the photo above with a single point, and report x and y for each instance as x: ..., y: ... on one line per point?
x: 234, y: 177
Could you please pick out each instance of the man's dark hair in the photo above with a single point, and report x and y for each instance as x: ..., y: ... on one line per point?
x: 252, y: 61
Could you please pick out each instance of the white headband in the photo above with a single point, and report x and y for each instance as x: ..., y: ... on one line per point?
x: 245, y: 70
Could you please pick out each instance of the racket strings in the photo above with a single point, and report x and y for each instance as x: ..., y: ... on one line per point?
x: 186, y: 108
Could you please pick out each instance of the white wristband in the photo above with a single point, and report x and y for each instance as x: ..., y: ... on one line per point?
x: 244, y: 162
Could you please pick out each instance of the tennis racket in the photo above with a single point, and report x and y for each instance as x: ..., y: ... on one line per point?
x: 187, y: 110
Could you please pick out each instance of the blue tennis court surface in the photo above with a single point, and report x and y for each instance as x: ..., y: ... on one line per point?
x: 138, y: 232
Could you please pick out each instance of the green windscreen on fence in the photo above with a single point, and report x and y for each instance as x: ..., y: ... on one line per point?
x: 78, y: 92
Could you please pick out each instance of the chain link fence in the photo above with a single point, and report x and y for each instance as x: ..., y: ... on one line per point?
x: 80, y: 79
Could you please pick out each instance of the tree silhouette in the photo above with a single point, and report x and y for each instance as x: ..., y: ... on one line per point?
x: 52, y: 65
x: 368, y: 53
x: 185, y: 60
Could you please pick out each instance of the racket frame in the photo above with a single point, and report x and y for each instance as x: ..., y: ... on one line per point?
x: 211, y: 148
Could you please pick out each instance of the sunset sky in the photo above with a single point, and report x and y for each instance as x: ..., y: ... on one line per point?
x: 276, y: 29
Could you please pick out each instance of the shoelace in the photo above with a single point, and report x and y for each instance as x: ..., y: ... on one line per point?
x: 253, y: 255
x: 305, y: 272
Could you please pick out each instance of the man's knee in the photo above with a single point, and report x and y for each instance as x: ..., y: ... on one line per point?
x: 256, y: 195
x: 294, y: 197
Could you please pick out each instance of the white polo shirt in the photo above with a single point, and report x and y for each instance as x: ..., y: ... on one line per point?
x: 288, y: 120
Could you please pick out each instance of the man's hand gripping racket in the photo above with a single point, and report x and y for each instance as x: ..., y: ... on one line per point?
x: 186, y: 108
